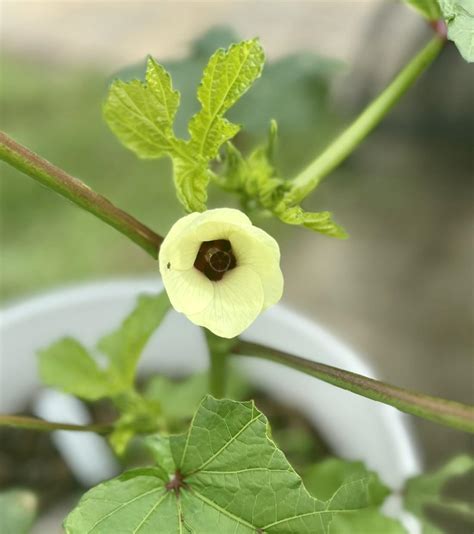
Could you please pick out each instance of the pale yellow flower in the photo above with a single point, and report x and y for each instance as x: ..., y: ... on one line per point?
x: 220, y: 270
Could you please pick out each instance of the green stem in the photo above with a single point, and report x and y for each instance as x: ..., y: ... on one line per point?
x: 73, y: 189
x: 345, y: 144
x: 217, y: 374
x: 219, y: 350
x: 442, y: 411
x: 459, y: 508
x: 31, y: 423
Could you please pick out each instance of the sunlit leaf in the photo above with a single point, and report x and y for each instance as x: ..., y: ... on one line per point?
x: 426, y: 490
x: 227, y: 476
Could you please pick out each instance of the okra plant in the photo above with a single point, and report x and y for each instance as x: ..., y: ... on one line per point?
x: 210, y: 461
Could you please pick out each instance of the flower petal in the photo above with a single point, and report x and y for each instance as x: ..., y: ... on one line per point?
x: 220, y: 223
x: 178, y: 250
x: 225, y: 215
x: 189, y: 291
x: 238, y: 299
x: 254, y: 248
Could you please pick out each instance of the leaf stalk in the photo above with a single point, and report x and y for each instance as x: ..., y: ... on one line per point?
x: 54, y: 178
x: 303, y: 184
x: 445, y: 412
x: 32, y: 423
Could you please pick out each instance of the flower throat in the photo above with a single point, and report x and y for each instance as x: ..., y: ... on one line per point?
x: 215, y: 258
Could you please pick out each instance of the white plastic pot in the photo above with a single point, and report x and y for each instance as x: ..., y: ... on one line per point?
x: 354, y: 427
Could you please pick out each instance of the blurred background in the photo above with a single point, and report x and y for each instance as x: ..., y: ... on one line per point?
x: 399, y: 290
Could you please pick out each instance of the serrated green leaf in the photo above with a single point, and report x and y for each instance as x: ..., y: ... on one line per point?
x: 135, y: 501
x: 255, y: 179
x: 426, y: 490
x: 459, y: 17
x: 321, y: 222
x: 66, y: 365
x: 138, y: 415
x: 369, y: 521
x: 142, y: 115
x: 179, y: 400
x: 351, y: 486
x: 305, y: 76
x: 17, y: 511
x: 228, y: 477
x: 227, y: 76
x: 159, y: 446
x: 428, y: 8
x: 333, y: 476
x: 191, y: 178
x: 124, y: 346
x: 259, y: 185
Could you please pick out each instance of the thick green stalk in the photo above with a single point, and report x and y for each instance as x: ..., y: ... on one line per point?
x: 73, y: 189
x: 219, y: 350
x: 31, y: 423
x: 442, y: 411
x: 350, y: 138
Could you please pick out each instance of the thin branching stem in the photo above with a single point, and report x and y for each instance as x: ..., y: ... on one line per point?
x: 442, y: 411
x: 303, y: 184
x: 33, y: 423
x: 76, y: 191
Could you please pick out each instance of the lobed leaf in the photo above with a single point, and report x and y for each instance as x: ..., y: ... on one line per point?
x: 141, y: 115
x: 259, y: 185
x: 124, y: 346
x: 227, y: 476
x: 351, y: 486
x: 459, y: 17
x: 329, y: 480
x: 18, y: 509
x: 227, y: 76
x: 321, y: 222
x: 191, y: 179
x: 368, y: 521
x: 425, y: 490
x: 66, y: 365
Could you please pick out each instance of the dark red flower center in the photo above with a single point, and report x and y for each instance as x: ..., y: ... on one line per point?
x: 215, y: 258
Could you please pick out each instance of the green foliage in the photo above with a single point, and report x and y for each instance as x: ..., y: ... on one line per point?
x: 428, y: 8
x: 368, y: 521
x: 124, y: 346
x: 67, y: 366
x: 142, y: 116
x: 325, y: 478
x: 178, y: 400
x: 333, y: 479
x: 138, y: 415
x: 17, y: 511
x: 321, y: 222
x: 258, y: 183
x: 228, y: 75
x: 303, y: 78
x: 425, y: 491
x: 225, y: 474
x: 132, y: 105
x: 459, y: 16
